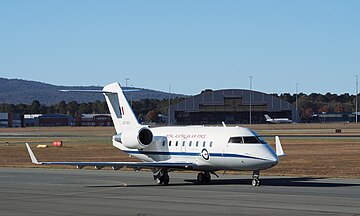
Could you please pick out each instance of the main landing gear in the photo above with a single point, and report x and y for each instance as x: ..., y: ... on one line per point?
x: 204, y: 178
x: 255, y: 176
x: 162, y: 176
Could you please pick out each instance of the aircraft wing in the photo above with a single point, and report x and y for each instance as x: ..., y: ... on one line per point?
x: 116, y: 165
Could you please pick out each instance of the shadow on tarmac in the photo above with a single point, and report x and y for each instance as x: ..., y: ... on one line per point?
x: 298, y: 182
x: 283, y: 182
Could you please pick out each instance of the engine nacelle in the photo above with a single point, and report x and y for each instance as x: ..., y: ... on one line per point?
x: 135, y: 138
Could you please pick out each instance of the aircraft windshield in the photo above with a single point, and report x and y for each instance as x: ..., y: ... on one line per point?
x: 236, y: 140
x: 249, y: 140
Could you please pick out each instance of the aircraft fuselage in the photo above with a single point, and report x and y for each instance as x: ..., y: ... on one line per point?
x: 209, y: 148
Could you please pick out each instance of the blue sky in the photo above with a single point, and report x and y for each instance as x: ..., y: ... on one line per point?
x: 190, y: 45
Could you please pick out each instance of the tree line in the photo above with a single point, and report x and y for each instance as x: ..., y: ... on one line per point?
x: 146, y: 109
x: 149, y: 109
x: 315, y: 102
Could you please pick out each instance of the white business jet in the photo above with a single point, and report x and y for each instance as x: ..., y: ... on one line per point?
x: 278, y: 120
x: 165, y: 149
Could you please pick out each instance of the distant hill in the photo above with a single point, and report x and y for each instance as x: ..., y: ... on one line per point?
x: 16, y: 91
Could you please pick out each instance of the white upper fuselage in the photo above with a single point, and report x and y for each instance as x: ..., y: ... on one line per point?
x: 209, y: 148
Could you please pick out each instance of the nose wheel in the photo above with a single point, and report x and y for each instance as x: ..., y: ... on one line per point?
x: 255, y: 176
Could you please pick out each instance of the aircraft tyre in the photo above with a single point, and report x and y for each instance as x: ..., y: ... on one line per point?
x: 162, y: 177
x: 255, y: 182
x: 207, y: 177
x: 166, y: 178
x: 204, y: 178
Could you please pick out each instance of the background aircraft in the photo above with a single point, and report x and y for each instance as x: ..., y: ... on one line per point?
x: 278, y: 120
x: 165, y: 149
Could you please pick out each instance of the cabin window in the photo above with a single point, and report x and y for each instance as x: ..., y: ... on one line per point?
x: 183, y: 143
x: 204, y: 143
x: 236, y: 140
x: 190, y: 143
x: 169, y: 143
x: 197, y: 143
x: 176, y: 144
x: 211, y: 144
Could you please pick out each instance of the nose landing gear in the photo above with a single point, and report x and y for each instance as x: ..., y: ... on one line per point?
x: 255, y: 176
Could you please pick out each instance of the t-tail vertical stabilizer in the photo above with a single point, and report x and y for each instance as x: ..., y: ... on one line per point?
x: 267, y: 117
x: 121, y: 113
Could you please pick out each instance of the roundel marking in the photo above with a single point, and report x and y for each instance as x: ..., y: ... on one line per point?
x: 205, y: 154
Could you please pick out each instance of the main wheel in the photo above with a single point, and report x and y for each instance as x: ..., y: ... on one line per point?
x: 207, y: 177
x: 158, y: 181
x: 166, y: 179
x: 201, y: 178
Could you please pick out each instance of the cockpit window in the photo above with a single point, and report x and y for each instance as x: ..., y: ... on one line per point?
x: 249, y: 140
x: 236, y: 140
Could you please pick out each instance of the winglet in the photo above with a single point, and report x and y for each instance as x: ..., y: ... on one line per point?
x: 279, y: 149
x: 31, y: 154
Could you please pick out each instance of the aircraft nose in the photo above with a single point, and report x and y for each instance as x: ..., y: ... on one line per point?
x: 271, y: 157
x: 273, y: 160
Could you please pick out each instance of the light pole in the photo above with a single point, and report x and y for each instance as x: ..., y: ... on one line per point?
x: 296, y: 99
x: 169, y: 120
x: 250, y: 77
x: 356, y: 100
x: 126, y: 82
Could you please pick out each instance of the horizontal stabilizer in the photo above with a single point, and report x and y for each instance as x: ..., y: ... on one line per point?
x: 88, y: 91
x: 98, y: 91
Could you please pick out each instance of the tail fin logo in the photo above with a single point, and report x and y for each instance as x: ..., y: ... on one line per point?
x: 122, y: 111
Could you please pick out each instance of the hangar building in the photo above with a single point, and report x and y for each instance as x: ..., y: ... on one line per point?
x: 47, y: 120
x: 231, y: 106
x: 11, y: 120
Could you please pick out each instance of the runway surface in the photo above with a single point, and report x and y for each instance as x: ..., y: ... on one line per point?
x: 88, y: 192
